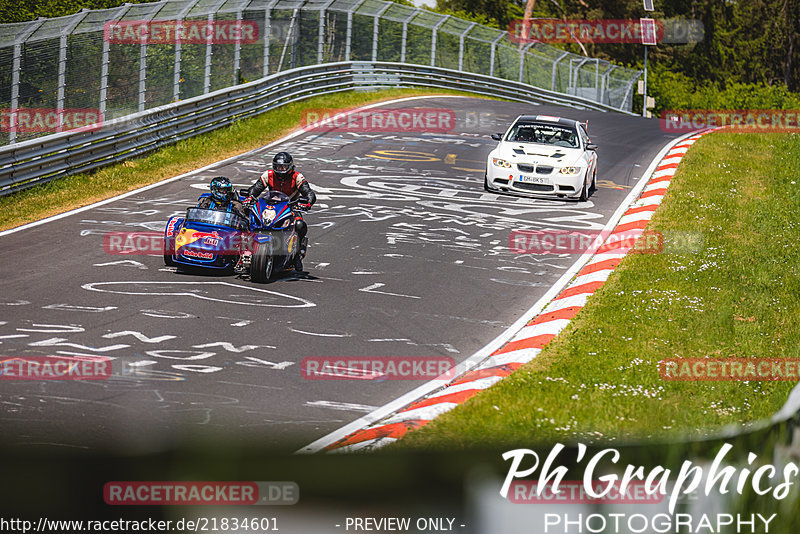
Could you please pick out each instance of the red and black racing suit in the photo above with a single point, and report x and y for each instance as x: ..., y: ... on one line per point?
x: 295, y: 187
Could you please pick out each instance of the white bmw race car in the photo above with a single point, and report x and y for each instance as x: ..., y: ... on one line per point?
x: 541, y: 155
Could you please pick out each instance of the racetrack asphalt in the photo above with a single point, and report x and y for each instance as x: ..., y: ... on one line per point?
x: 408, y: 256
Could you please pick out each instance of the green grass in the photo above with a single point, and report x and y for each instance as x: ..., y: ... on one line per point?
x: 81, y: 189
x: 737, y: 295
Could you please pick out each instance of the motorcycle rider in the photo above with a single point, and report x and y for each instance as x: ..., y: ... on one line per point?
x: 284, y: 178
x: 222, y: 198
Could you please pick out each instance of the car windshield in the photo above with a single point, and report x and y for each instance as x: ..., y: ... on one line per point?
x: 215, y: 217
x: 544, y: 134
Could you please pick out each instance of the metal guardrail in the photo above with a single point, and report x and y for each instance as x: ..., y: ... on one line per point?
x: 132, y: 58
x: 40, y: 160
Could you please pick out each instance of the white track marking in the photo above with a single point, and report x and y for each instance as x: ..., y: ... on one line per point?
x: 139, y: 336
x: 130, y: 263
x: 343, y: 406
x: 70, y: 307
x: 53, y: 329
x: 373, y: 287
x: 231, y: 348
x: 258, y: 362
x: 99, y: 286
x: 320, y: 334
x: 166, y: 314
x: 61, y: 342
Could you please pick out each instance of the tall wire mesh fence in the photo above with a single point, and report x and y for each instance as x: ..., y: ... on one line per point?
x: 114, y: 62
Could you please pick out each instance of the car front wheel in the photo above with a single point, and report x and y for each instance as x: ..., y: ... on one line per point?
x: 584, y: 192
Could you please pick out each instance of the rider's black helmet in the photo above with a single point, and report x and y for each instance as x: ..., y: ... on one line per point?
x: 221, y: 189
x: 283, y: 165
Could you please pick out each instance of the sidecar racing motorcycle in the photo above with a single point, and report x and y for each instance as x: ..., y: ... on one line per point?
x: 222, y: 241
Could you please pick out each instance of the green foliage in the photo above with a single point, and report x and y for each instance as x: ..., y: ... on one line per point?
x: 749, y: 50
x: 674, y: 91
x: 22, y: 10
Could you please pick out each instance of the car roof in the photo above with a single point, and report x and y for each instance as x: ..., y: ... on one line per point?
x: 561, y: 121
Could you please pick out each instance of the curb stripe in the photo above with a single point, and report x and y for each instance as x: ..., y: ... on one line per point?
x: 537, y: 342
x: 456, y: 398
x: 577, y: 290
x: 542, y: 328
x: 655, y: 193
x: 564, y: 313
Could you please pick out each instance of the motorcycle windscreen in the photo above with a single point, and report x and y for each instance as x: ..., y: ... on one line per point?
x: 215, y: 218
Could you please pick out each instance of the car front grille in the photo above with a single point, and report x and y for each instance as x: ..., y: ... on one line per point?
x: 538, y: 169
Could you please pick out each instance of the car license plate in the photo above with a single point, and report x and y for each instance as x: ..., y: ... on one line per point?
x: 533, y: 179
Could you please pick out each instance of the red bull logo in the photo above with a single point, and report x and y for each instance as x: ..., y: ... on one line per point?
x: 189, y: 236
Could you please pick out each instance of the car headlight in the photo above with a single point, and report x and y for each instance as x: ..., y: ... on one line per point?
x: 501, y: 163
x: 570, y: 170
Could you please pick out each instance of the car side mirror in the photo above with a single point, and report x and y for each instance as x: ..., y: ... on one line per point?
x: 497, y: 137
x: 591, y: 146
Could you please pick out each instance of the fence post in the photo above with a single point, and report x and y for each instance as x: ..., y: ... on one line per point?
x: 207, y: 71
x: 597, y: 79
x: 522, y: 60
x: 62, y: 65
x: 105, y: 61
x: 606, y: 82
x: 405, y: 35
x: 493, y: 53
x: 461, y: 45
x: 321, y: 32
x: 267, y: 33
x: 289, y: 34
x: 349, y: 35
x: 176, y: 76
x: 433, y: 39
x: 15, y: 70
x: 209, y: 45
x: 375, y: 23
x: 555, y: 69
x: 295, y: 37
x: 143, y: 63
x: 573, y: 80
